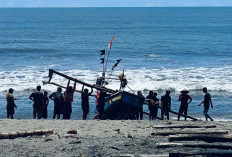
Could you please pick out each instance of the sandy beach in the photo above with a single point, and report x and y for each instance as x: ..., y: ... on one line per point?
x: 104, y: 138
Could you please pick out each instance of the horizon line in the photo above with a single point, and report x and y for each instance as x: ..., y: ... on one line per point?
x: 124, y: 7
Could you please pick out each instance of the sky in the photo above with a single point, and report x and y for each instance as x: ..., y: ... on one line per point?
x: 114, y: 3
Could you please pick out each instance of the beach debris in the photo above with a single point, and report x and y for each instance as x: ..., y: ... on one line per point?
x: 118, y: 131
x: 75, y: 142
x: 70, y: 136
x: 144, y: 155
x: 131, y: 144
x: 129, y: 136
x: 195, y: 145
x: 72, y: 132
x: 113, y: 147
x: 48, y: 139
x: 13, y: 135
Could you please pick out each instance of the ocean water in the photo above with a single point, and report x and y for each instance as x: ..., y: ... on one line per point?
x: 160, y: 48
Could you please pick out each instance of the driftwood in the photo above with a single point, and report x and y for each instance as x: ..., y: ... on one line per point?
x: 183, y: 126
x: 206, y: 138
x: 194, y: 145
x: 167, y: 133
x: 13, y: 135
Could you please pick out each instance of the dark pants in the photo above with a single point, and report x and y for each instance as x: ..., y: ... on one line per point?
x: 45, y: 113
x: 85, y: 109
x: 101, y: 109
x: 206, y: 109
x: 183, y: 109
x: 37, y: 112
x: 67, y: 116
x: 153, y: 112
x: 139, y: 114
x: 165, y: 111
x: 58, y: 110
x: 67, y: 110
x: 10, y: 111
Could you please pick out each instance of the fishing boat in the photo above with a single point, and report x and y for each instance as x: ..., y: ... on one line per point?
x: 119, y: 104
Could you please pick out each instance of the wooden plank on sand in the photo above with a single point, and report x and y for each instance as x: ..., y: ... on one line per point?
x: 194, y: 145
x: 206, y: 138
x: 183, y: 126
x: 167, y: 133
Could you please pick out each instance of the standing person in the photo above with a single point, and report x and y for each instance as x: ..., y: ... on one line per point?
x: 85, y: 101
x: 58, y: 99
x: 207, y: 101
x: 45, y: 107
x: 165, y: 104
x: 38, y: 99
x: 185, y: 99
x: 139, y: 114
x: 68, y: 99
x: 10, y: 104
x: 153, y: 103
x: 101, y: 102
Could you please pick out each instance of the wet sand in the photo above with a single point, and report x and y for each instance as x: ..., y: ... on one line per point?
x: 97, y: 138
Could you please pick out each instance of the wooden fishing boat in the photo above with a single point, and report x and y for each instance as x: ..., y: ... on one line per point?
x: 122, y: 105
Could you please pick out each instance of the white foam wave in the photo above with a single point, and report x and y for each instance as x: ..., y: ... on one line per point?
x: 218, y: 79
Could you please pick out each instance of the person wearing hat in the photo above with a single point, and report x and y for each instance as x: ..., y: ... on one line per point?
x: 58, y: 99
x: 85, y: 101
x: 10, y: 104
x: 185, y: 99
x: 165, y: 104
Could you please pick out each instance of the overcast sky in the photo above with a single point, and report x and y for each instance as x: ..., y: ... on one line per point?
x: 113, y: 3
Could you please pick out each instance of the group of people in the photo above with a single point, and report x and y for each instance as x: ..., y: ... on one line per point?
x: 63, y: 103
x: 184, y: 98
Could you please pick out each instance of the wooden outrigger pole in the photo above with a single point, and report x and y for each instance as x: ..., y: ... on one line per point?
x: 51, y: 72
x: 101, y: 88
x: 173, y: 112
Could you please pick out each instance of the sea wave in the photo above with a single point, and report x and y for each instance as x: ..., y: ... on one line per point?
x: 216, y: 79
x: 21, y: 50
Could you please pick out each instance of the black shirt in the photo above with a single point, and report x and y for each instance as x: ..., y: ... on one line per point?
x: 166, y: 101
x: 184, y: 99
x: 85, y: 98
x: 155, y: 99
x: 38, y: 99
x: 207, y: 99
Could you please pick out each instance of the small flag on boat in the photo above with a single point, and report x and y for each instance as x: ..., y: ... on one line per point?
x: 102, y: 60
x: 116, y: 64
x: 111, y: 42
x: 103, y: 52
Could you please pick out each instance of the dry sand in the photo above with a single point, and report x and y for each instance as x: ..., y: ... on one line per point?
x: 94, y: 137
